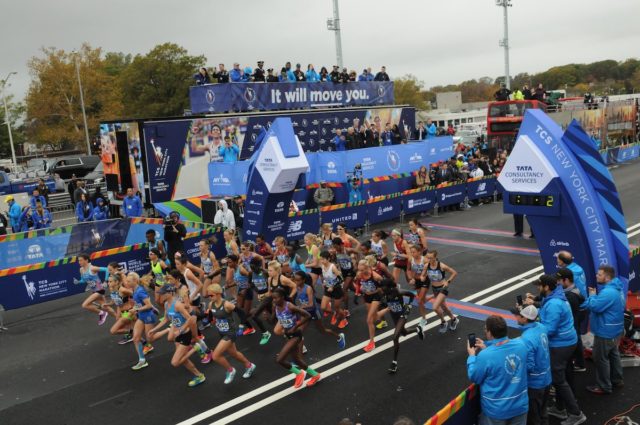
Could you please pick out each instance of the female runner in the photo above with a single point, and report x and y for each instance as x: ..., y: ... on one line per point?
x: 295, y: 264
x: 440, y: 287
x: 120, y: 298
x: 344, y: 258
x: 208, y: 264
x: 263, y: 248
x: 193, y: 283
x: 419, y: 279
x: 146, y: 320
x: 417, y: 235
x: 333, y: 292
x: 232, y: 249
x: 89, y: 276
x: 159, y: 269
x: 348, y: 240
x: 327, y: 235
x: 379, y: 246
x: 400, y: 255
x: 369, y: 284
x: 312, y: 263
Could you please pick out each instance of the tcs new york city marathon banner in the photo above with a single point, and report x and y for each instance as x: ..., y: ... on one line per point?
x: 236, y: 97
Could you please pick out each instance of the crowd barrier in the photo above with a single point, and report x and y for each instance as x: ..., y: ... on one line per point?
x: 620, y: 153
x: 462, y: 410
x: 237, y: 97
x: 50, y: 280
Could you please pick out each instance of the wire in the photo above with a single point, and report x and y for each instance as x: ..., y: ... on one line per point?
x: 618, y: 416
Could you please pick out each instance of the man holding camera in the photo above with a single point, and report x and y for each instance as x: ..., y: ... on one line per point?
x: 174, y: 234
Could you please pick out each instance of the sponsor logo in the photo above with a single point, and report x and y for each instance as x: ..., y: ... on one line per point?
x: 512, y: 364
x: 416, y: 157
x: 345, y: 120
x: 444, y: 196
x: 294, y: 226
x: 257, y: 192
x: 323, y: 131
x: 393, y: 160
x: 336, y: 121
x: 482, y: 187
x: 248, y: 232
x: 305, y: 122
x: 632, y: 275
x: 221, y: 179
x: 280, y: 204
x: 34, y: 252
x: 313, y: 133
x: 315, y: 122
x: 301, y: 133
x: 254, y: 136
x: 210, y: 96
x: 294, y: 123
x: 381, y: 90
x: 249, y: 95
x: 123, y: 266
x: 410, y: 203
x: 382, y: 210
x: 554, y: 242
x: 30, y: 287
x: 432, y: 151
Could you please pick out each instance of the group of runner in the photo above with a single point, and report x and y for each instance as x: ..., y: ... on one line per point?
x: 270, y: 289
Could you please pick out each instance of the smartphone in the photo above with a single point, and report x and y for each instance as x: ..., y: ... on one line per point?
x: 472, y: 340
x: 519, y: 299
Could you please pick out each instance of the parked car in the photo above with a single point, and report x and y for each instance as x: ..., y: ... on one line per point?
x: 67, y: 166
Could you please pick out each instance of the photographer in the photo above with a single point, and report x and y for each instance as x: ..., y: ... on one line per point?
x: 174, y: 233
x: 356, y: 184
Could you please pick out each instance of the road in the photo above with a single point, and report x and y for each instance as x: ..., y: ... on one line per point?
x: 58, y: 365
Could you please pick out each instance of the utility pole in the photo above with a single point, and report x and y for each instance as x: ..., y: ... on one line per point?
x: 84, y: 114
x: 7, y: 118
x: 333, y: 24
x: 505, y: 4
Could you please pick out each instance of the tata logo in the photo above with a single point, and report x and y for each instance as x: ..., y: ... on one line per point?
x: 34, y: 252
x: 294, y: 226
x: 524, y: 168
x: 249, y: 95
x: 280, y: 204
x: 210, y: 96
x: 393, y: 160
x: 305, y: 122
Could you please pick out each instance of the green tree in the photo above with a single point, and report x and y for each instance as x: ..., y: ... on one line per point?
x: 157, y: 84
x: 116, y: 62
x: 16, y: 118
x: 408, y: 91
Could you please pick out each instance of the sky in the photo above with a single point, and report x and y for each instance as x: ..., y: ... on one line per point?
x: 443, y: 42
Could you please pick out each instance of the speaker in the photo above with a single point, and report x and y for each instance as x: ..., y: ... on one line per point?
x: 112, y: 183
x: 209, y: 208
x: 124, y: 165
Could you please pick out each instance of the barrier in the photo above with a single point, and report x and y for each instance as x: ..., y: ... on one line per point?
x: 298, y: 95
x: 462, y: 410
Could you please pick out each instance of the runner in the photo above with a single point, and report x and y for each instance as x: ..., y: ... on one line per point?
x: 295, y: 264
x: 244, y: 294
x: 327, y: 235
x: 146, y: 319
x: 417, y: 235
x: 440, y: 287
x: 333, y: 292
x: 193, y: 283
x: 208, y: 264
x: 156, y: 277
x: 379, y: 246
x: 263, y: 248
x: 232, y: 249
x: 399, y: 311
x: 378, y: 267
x: 258, y: 281
x: 120, y: 297
x: 89, y: 276
x: 292, y: 318
x: 419, y: 279
x: 312, y: 263
x: 306, y: 301
x: 281, y: 253
x: 221, y: 312
x: 348, y: 240
x: 400, y: 255
x: 344, y: 258
x: 154, y: 243
x: 369, y: 284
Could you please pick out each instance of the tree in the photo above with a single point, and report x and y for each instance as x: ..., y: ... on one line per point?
x: 54, y: 114
x: 16, y: 118
x: 408, y: 91
x: 157, y: 84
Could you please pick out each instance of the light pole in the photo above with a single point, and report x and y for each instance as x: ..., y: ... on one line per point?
x: 84, y: 114
x: 333, y: 24
x: 505, y: 4
x: 7, y: 119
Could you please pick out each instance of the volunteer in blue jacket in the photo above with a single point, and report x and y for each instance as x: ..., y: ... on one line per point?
x: 236, y: 74
x: 499, y: 367
x: 13, y: 213
x: 41, y: 217
x: 565, y: 259
x: 100, y: 211
x: 555, y: 315
x: 35, y: 198
x: 229, y: 151
x: 312, y: 75
x: 607, y: 324
x: 84, y: 209
x: 131, y: 205
x: 431, y: 129
x: 534, y: 336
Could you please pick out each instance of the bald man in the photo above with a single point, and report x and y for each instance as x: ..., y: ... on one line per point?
x: 565, y: 259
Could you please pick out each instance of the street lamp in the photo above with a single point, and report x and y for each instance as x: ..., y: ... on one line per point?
x: 505, y: 4
x: 7, y: 119
x: 333, y: 24
x: 84, y: 114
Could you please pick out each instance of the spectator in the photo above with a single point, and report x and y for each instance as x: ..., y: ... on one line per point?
x: 422, y: 178
x: 387, y: 135
x: 224, y: 216
x: 370, y: 75
x: 299, y: 74
x: 534, y: 336
x: 352, y: 139
x: 131, y: 205
x: 498, y: 367
x: 246, y: 75
x: 539, y: 93
x: 44, y: 190
x: 502, y: 94
x: 59, y: 182
x: 355, y: 190
x: 290, y: 75
x: 450, y: 130
x: 14, y: 213
x: 606, y: 320
x: 80, y: 190
x: 344, y: 76
x: 518, y: 95
x: 339, y: 141
x: 370, y: 137
x: 98, y: 194
x: 352, y: 76
x: 475, y: 172
x: 101, y: 210
x: 283, y: 77
x: 526, y: 92
x: 555, y: 315
x: 84, y: 209
x: 420, y: 133
x: 41, y: 217
x: 324, y: 74
x: 323, y: 196
x: 271, y: 78
x: 334, y: 76
x: 565, y: 278
x: 26, y: 220
x: 237, y: 208
x: 35, y: 198
x: 364, y: 76
x: 258, y: 73
x: 431, y: 129
x: 71, y: 188
x: 397, y: 135
x: 4, y: 224
x: 444, y: 174
x: 229, y: 151
x: 311, y: 75
x: 202, y: 77
x: 382, y: 75
x: 222, y: 75
x: 565, y: 259
x: 236, y: 73
x: 174, y: 234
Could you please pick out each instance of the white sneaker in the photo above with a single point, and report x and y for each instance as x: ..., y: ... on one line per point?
x: 247, y: 373
x: 304, y: 349
x: 453, y: 324
x: 443, y: 327
x: 423, y: 323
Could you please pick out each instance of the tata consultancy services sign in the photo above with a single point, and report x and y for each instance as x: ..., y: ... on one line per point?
x: 527, y: 169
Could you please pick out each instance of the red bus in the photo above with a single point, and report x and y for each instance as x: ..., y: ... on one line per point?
x: 504, y: 120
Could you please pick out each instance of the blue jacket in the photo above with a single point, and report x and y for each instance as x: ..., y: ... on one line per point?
x: 100, y: 213
x: 201, y: 79
x: 535, y: 338
x: 431, y: 131
x: 235, y: 75
x: 341, y: 144
x: 607, y: 310
x: 579, y: 278
x: 364, y: 77
x: 555, y: 315
x: 132, y: 206
x: 387, y: 138
x: 84, y: 211
x: 312, y: 76
x: 291, y: 77
x: 229, y: 154
x: 23, y: 225
x: 14, y: 215
x: 355, y: 193
x: 501, y: 372
x: 33, y: 200
x: 42, y: 221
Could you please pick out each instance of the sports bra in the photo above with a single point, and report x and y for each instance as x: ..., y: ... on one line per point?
x: 435, y: 275
x: 286, y: 317
x: 206, y: 263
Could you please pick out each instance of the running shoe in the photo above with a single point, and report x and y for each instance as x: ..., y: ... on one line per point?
x: 102, y: 317
x: 575, y: 419
x: 206, y: 359
x: 147, y: 349
x: 394, y: 367
x: 126, y: 338
x: 382, y: 324
x: 370, y: 346
x: 249, y: 371
x: 420, y: 332
x: 453, y: 324
x: 240, y: 330
x: 304, y: 349
x: 248, y: 331
x: 423, y: 323
x: 556, y: 413
x: 140, y: 365
x: 197, y: 380
x: 228, y: 377
x: 311, y: 382
x: 579, y: 368
x: 299, y: 380
x: 334, y: 319
x: 347, y: 313
x: 443, y: 327
x: 343, y: 324
x: 342, y: 342
x: 266, y: 336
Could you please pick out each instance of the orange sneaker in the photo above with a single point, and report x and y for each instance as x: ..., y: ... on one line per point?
x: 299, y: 380
x: 311, y: 382
x: 370, y: 346
x: 343, y: 324
x: 334, y: 319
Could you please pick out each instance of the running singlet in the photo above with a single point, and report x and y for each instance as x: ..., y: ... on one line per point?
x: 176, y: 319
x: 286, y: 289
x: 206, y: 263
x: 158, y: 273
x: 399, y: 249
x: 435, y: 275
x: 282, y: 257
x: 241, y: 280
x: 259, y: 282
x: 329, y: 278
x: 302, y: 298
x: 117, y: 299
x: 327, y: 243
x: 296, y: 267
x: 262, y: 249
x: 139, y: 295
x: 413, y: 238
x: 191, y: 285
x: 224, y: 320
x: 377, y: 248
x: 344, y: 262
x: 246, y: 262
x: 286, y: 318
x: 227, y: 246
x: 91, y: 279
x: 368, y: 285
x: 346, y: 242
x: 417, y: 268
x: 395, y: 302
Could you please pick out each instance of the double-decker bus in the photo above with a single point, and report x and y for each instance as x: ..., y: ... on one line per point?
x: 504, y: 120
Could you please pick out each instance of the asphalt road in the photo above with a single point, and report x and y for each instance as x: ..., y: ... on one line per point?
x: 59, y: 366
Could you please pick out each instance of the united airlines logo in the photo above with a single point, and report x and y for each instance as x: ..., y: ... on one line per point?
x: 249, y: 95
x: 393, y: 160
x: 210, y: 96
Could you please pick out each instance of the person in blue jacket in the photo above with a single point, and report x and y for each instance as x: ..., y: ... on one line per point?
x: 499, y: 367
x: 355, y: 190
x: 131, y: 205
x: 364, y: 76
x: 84, y: 209
x: 26, y: 220
x: 202, y: 77
x: 431, y: 129
x: 607, y: 324
x: 311, y: 75
x: 236, y: 74
x: 35, y: 198
x: 229, y: 151
x: 101, y: 210
x: 556, y: 316
x: 534, y: 336
x: 339, y: 141
x: 14, y: 213
x: 565, y: 259
x: 41, y: 217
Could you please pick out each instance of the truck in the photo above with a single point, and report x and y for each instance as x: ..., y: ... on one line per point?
x: 10, y: 183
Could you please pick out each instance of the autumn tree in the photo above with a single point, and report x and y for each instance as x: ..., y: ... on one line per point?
x: 408, y: 91
x: 54, y: 114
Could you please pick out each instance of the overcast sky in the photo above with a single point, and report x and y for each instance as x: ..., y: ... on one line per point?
x: 439, y: 42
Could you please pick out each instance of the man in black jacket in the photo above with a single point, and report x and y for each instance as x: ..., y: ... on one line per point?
x: 526, y: 92
x: 221, y: 74
x: 174, y: 234
x: 382, y: 75
x: 502, y: 94
x: 258, y: 73
x: 299, y: 73
x: 335, y: 74
x: 575, y: 299
x: 271, y: 77
x: 444, y: 174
